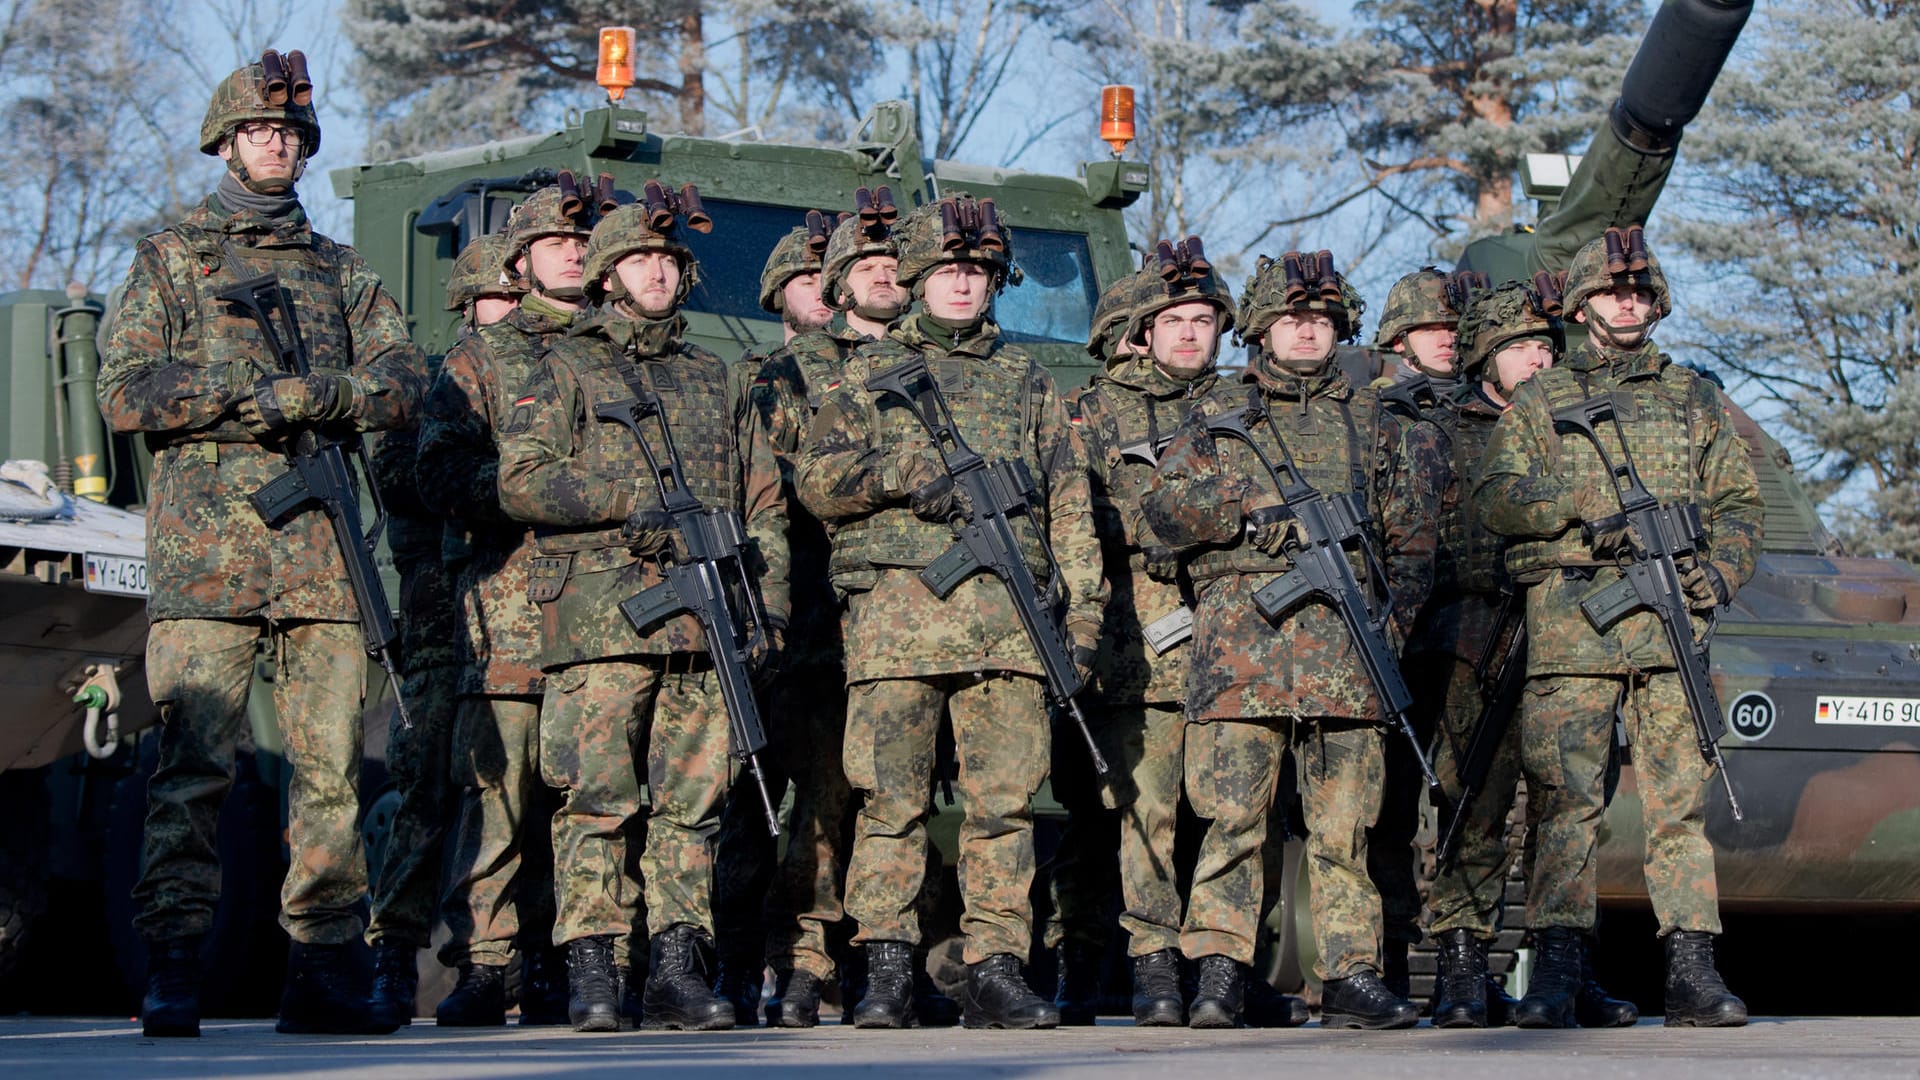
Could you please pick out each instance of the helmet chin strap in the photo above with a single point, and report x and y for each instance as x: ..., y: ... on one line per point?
x: 1613, y: 333
x: 265, y: 187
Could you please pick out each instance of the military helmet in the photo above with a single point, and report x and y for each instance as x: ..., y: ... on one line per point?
x: 559, y: 209
x: 956, y: 229
x: 797, y: 253
x: 1180, y: 274
x: 1299, y: 282
x: 479, y: 272
x: 1113, y: 312
x: 275, y: 88
x: 1619, y: 257
x: 653, y: 224
x: 1513, y: 312
x: 867, y: 232
x: 1427, y: 297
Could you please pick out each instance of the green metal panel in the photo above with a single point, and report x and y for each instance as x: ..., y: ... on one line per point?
x: 26, y: 423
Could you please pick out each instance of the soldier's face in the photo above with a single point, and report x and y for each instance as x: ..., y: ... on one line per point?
x: 1182, y: 337
x: 558, y: 262
x: 801, y: 305
x: 491, y: 309
x: 1516, y: 362
x: 870, y: 281
x: 1429, y: 347
x: 652, y: 278
x: 957, y: 292
x: 1301, y: 339
x: 1620, y: 316
x: 278, y: 160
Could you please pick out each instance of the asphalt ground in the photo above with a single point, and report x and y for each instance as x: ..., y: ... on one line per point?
x: 78, y: 1049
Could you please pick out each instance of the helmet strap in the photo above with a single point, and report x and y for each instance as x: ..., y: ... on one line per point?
x: 1612, y: 332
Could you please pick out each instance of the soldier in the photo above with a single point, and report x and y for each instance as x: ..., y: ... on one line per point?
x: 1418, y: 325
x: 194, y: 376
x: 615, y: 698
x: 871, y: 472
x: 1256, y: 688
x: 1557, y: 503
x: 406, y: 895
x: 500, y: 863
x: 790, y: 283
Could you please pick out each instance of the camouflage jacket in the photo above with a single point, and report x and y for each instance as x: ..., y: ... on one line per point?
x: 489, y: 555
x: 1306, y: 665
x: 1470, y: 579
x: 427, y: 623
x: 1124, y: 415
x: 1684, y: 445
x: 175, y: 360
x: 577, y: 477
x: 789, y: 387
x: 1005, y: 405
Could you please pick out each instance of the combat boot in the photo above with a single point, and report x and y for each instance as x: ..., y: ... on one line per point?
x: 1077, y: 984
x: 1220, y: 993
x: 593, y: 987
x: 1269, y: 1008
x: 171, y: 1008
x: 543, y: 987
x: 1501, y: 1006
x: 796, y: 1000
x: 1594, y: 1008
x: 632, y: 981
x: 998, y: 997
x: 326, y: 994
x: 1555, y: 983
x: 1460, y: 990
x: 931, y: 1008
x: 1361, y: 1000
x: 678, y: 992
x: 478, y: 998
x: 1156, y: 990
x: 1696, y: 995
x: 1393, y: 969
x: 396, y: 980
x: 738, y: 983
x: 888, y: 1002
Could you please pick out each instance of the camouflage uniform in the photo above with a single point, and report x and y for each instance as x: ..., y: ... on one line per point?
x: 911, y: 654
x: 1255, y: 689
x: 176, y: 364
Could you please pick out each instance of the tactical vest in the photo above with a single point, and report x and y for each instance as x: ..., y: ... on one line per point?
x: 692, y: 386
x: 1331, y: 437
x: 1471, y: 555
x: 993, y: 400
x: 1656, y: 418
x: 1123, y: 416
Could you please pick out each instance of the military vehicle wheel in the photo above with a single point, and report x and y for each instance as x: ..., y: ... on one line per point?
x: 23, y: 860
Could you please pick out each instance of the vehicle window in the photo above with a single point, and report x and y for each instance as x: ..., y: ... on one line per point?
x: 733, y: 254
x: 1055, y: 302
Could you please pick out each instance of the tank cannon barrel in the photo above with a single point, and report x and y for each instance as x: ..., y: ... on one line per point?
x: 1676, y: 65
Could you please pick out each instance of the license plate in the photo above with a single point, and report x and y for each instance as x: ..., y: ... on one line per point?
x: 119, y: 574
x: 1867, y: 711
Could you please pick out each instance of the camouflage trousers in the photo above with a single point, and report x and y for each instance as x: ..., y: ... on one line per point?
x: 1469, y: 893
x: 775, y: 902
x: 1232, y: 770
x: 1565, y: 736
x: 1084, y: 874
x: 1392, y: 858
x: 199, y: 672
x: 595, y: 720
x: 499, y: 879
x: 407, y: 894
x: 1001, y: 738
x: 1146, y: 743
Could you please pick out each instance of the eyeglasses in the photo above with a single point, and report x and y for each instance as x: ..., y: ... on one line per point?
x: 262, y: 135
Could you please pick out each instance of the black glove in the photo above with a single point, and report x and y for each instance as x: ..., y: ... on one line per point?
x: 938, y: 500
x: 282, y: 401
x: 769, y: 658
x: 1274, y: 529
x: 1083, y: 658
x: 1706, y: 587
x: 647, y: 531
x: 1609, y: 537
x: 1163, y: 565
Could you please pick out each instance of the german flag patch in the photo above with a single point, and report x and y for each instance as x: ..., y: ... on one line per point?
x: 521, y: 418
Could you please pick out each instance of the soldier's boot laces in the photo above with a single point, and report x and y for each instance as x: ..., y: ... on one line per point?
x: 1393, y: 968
x: 1595, y: 1008
x: 1077, y: 984
x: 1156, y: 990
x: 1361, y: 1000
x: 796, y: 1000
x: 1220, y: 993
x: 593, y: 987
x: 889, y: 999
x: 478, y: 998
x: 396, y: 979
x: 543, y: 987
x: 326, y: 994
x: 1555, y: 984
x: 679, y: 990
x: 1269, y: 1008
x: 739, y: 984
x: 171, y: 1008
x: 1696, y: 995
x: 999, y: 997
x: 931, y: 1008
x: 1460, y: 991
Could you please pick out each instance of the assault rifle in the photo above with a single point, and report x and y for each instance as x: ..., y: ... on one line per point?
x: 1176, y: 626
x: 1499, y: 696
x: 1320, y: 568
x: 1650, y: 576
x: 318, y: 474
x: 706, y: 577
x: 996, y: 492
